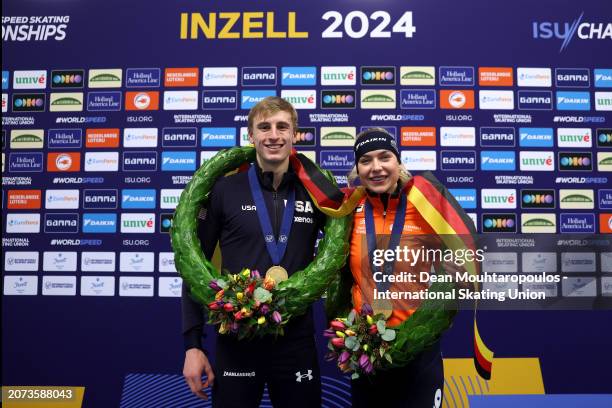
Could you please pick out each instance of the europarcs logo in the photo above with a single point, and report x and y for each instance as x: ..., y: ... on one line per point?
x: 566, y: 31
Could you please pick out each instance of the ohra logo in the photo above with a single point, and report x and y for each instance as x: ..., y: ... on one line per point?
x: 28, y: 103
x: 499, y: 223
x: 338, y: 99
x: 67, y: 79
x: 299, y: 376
x: 377, y: 75
x: 538, y: 199
x: 575, y: 161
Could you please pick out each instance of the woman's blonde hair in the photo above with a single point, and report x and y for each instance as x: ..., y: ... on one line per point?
x: 404, y: 175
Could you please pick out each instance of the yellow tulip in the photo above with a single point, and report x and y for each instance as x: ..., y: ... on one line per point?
x: 261, y: 320
x: 239, y: 296
x: 340, y: 334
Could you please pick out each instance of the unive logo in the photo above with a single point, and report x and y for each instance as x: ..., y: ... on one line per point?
x: 138, y: 199
x: 466, y: 197
x: 496, y: 100
x: 542, y: 223
x: 101, y: 138
x: 27, y: 139
x: 4, y: 103
x: 25, y: 162
x: 57, y: 223
x: 143, y: 78
x: 417, y: 99
x: 218, y: 137
x: 104, y: 199
x: 576, y: 199
x: 497, y: 137
x: 306, y: 99
x: 252, y: 98
x: 495, y: 76
x: 65, y: 162
x: 603, y: 78
x: 458, y: 160
x: 535, y: 100
x: 141, y: 101
x: 572, y: 78
x: 604, y: 199
x: 604, y: 137
x: 575, y: 161
x: 139, y: 161
x: 137, y: 223
x: 24, y: 199
x: 104, y: 101
x: 338, y: 99
x: 418, y: 136
x: 497, y: 161
x: 34, y: 102
x: 65, y: 138
x: 536, y: 137
x: 338, y: 76
x: 574, y: 137
x: 577, y: 223
x: 537, y: 161
x: 499, y: 222
x: 305, y: 136
x: 604, y: 161
x: 219, y: 100
x: 337, y: 160
x: 498, y: 198
x: 73, y: 78
x: 66, y: 102
x: 259, y: 76
x: 378, y: 99
x: 567, y: 31
x: 179, y: 137
x: 456, y: 76
x: 140, y: 137
x: 178, y: 161
x: 298, y: 76
x: 338, y: 136
x: 220, y: 76
x: 456, y: 99
x: 180, y: 100
x: 169, y: 198
x: 537, y: 199
x: 29, y: 79
x: 105, y: 78
x: 62, y: 199
x: 181, y: 77
x: 377, y: 75
x: 458, y: 136
x: 99, y: 223
x: 603, y: 101
x: 419, y: 159
x: 417, y: 75
x: 578, y: 101
x: 534, y: 77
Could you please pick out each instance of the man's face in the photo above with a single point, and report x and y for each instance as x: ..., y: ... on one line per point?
x: 273, y: 137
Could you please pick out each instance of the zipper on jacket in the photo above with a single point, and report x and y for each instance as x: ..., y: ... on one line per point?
x: 275, y: 199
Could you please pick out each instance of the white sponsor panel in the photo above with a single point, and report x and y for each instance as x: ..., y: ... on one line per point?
x: 474, y: 218
x: 301, y: 99
x: 22, y: 261
x: 540, y: 223
x: 29, y: 79
x: 220, y: 76
x: 311, y: 154
x: 606, y: 262
x: 500, y: 262
x: 169, y: 287
x: 603, y: 101
x: 4, y: 106
x: 606, y: 286
x: 137, y: 223
x: 496, y: 100
x: 537, y: 161
x: 140, y: 137
x: 22, y: 223
x: 345, y: 75
x: 578, y: 262
x: 576, y: 199
x: 419, y: 159
x: 101, y: 161
x: 136, y: 262
x: 135, y: 286
x: 417, y: 75
x: 500, y: 287
x: 579, y: 287
x: 549, y: 289
x: 97, y: 286
x: 457, y: 136
x: 180, y: 100
x: 166, y: 262
x: 206, y: 155
x: 498, y: 198
x: 59, y: 261
x: 105, y: 78
x: 98, y: 262
x: 20, y: 285
x: 62, y: 199
x: 338, y: 136
x: 536, y: 77
x: 59, y: 285
x: 169, y: 198
x: 575, y: 137
x: 539, y: 262
x: 244, y: 136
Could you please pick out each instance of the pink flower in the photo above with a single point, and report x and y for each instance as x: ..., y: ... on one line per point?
x: 373, y: 330
x: 338, y: 342
x: 329, y: 333
x: 366, y: 309
x: 338, y: 325
x: 213, y: 306
x: 228, y: 307
x: 255, y: 274
x: 264, y: 309
x: 214, y: 286
x: 276, y: 317
x: 344, y: 356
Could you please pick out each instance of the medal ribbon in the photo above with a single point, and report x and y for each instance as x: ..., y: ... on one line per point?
x: 396, y: 235
x: 276, y: 249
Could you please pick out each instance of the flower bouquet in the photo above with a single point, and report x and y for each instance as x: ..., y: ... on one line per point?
x: 245, y: 304
x: 360, y: 343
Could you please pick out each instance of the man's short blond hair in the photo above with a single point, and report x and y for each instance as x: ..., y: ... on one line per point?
x: 268, y: 107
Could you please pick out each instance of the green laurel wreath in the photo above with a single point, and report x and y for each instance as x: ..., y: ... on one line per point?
x: 300, y: 290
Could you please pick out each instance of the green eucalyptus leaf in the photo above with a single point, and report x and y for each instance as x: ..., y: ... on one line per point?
x: 388, y: 335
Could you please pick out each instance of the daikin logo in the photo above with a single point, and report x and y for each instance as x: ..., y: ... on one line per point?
x: 567, y: 31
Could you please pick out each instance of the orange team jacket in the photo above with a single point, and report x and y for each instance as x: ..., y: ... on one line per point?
x: 416, y: 234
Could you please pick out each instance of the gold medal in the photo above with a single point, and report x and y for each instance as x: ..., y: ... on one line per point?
x: 278, y: 273
x: 383, y: 306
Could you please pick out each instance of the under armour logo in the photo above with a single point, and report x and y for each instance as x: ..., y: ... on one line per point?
x: 299, y: 376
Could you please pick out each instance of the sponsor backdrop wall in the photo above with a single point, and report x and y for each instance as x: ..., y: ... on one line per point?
x: 108, y: 107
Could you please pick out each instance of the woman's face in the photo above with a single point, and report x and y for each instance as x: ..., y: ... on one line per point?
x: 379, y: 171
